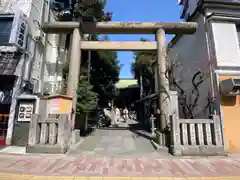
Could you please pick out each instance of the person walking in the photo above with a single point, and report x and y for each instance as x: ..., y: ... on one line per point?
x: 125, y: 114
x: 117, y: 115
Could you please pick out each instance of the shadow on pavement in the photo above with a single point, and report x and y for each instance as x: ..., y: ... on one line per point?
x: 88, y: 132
x: 139, y: 130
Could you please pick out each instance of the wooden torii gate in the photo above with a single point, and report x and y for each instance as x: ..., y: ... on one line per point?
x: 157, y: 28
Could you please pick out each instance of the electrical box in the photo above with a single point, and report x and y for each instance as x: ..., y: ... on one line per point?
x: 26, y: 106
x: 230, y: 87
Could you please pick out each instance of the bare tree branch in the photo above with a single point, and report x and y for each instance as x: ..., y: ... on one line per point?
x: 188, y: 101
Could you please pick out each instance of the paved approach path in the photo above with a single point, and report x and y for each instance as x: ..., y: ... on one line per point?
x: 64, y: 167
x: 133, y: 142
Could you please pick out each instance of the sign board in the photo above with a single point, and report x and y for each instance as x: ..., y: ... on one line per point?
x: 53, y: 108
x: 57, y: 105
x: 25, y: 112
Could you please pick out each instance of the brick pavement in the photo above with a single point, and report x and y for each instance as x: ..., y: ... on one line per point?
x: 65, y: 167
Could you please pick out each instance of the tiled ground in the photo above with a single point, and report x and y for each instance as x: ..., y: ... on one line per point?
x: 59, y: 165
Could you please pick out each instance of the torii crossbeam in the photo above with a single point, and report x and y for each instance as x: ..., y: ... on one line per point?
x: 157, y: 28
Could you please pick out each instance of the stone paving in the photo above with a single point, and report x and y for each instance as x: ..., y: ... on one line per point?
x: 116, y: 143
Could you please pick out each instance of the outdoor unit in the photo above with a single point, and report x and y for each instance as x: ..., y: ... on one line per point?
x: 230, y: 87
x: 18, y: 36
x: 38, y: 35
x: 47, y: 88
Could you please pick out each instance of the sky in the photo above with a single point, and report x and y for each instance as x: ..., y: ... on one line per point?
x: 140, y: 11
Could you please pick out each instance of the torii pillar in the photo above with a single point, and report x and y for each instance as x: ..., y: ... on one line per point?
x: 74, y: 70
x: 163, y: 81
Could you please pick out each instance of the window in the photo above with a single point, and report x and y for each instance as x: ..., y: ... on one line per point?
x: 59, y: 5
x: 5, y: 29
x: 21, y: 34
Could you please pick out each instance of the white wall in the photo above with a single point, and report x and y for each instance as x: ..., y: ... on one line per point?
x: 225, y: 41
x: 191, y: 52
x: 43, y: 65
x: 52, y: 70
x: 34, y: 59
x: 10, y: 6
x: 56, y: 61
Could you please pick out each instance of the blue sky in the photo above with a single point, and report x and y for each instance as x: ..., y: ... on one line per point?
x: 140, y: 10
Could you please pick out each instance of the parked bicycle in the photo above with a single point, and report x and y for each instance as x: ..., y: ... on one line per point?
x: 103, y: 121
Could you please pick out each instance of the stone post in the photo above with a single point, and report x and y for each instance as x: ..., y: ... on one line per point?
x: 74, y: 69
x: 175, y: 129
x: 163, y: 83
x: 63, y: 132
x: 175, y: 136
x: 34, y: 130
x: 217, y: 131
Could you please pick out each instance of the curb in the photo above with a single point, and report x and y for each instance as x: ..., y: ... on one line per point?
x: 9, y: 176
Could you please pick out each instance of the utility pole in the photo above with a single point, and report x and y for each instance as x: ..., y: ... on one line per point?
x: 89, y: 59
x: 141, y: 84
x: 89, y: 73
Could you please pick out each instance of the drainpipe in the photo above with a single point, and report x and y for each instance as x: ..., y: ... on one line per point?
x: 209, y: 51
x: 56, y: 84
x: 44, y: 54
x: 28, y: 65
x: 207, y: 19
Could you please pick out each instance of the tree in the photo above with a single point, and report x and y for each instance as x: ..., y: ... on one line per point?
x: 190, y: 95
x: 104, y: 75
x: 95, y: 10
x: 86, y: 98
x: 142, y: 66
x: 104, y: 65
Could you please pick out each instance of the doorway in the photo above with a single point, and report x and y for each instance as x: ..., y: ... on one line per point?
x: 6, y: 88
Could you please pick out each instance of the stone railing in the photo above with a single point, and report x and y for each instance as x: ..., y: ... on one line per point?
x: 195, y: 136
x: 49, y: 135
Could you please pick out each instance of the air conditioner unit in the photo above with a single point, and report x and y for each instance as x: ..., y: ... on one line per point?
x: 38, y: 35
x: 35, y: 86
x: 230, y: 87
x: 47, y: 88
x: 19, y: 31
x: 27, y: 87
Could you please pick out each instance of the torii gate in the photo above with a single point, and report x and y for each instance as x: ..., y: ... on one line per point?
x: 157, y: 28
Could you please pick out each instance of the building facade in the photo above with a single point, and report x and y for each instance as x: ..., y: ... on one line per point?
x: 30, y: 62
x: 213, y: 51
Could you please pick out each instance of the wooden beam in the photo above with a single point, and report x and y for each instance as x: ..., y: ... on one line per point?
x: 119, y: 46
x: 124, y: 27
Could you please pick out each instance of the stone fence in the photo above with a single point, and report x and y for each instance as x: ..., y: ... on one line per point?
x: 203, y: 137
x: 49, y: 135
